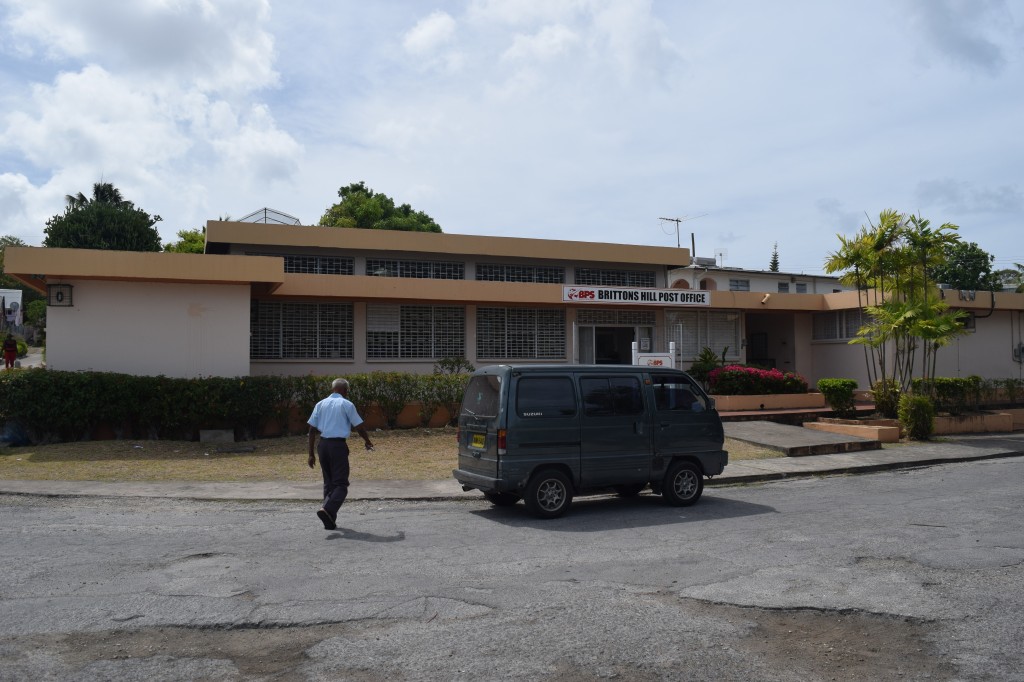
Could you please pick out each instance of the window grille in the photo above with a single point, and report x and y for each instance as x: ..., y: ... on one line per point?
x: 520, y: 333
x: 739, y: 285
x: 783, y: 287
x: 415, y: 269
x: 612, y: 318
x: 692, y: 330
x: 838, y: 324
x: 497, y: 272
x: 597, y: 277
x: 415, y: 331
x: 801, y: 287
x: 313, y: 265
x: 287, y: 330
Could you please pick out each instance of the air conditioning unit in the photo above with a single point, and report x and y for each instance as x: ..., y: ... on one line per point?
x: 59, y: 295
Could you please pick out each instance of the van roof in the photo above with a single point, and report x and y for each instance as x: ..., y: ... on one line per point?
x: 602, y: 369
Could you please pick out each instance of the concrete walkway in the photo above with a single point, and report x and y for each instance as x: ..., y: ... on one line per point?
x: 960, y: 449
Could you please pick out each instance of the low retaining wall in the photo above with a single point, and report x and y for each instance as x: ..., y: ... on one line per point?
x: 974, y: 423
x: 882, y: 430
x: 781, y: 401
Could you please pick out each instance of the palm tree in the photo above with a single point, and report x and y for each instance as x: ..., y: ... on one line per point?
x: 102, y: 192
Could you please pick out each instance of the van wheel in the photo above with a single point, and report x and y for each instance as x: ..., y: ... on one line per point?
x: 548, y: 494
x: 683, y: 484
x: 502, y: 499
x: 630, y: 489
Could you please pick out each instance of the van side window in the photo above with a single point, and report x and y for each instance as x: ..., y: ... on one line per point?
x: 675, y: 394
x: 545, y: 397
x: 611, y: 396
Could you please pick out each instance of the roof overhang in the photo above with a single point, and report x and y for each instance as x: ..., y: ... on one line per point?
x: 36, y: 266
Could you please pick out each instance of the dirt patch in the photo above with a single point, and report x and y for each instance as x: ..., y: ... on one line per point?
x: 837, y: 645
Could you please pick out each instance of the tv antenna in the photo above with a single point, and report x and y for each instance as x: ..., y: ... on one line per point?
x: 721, y: 253
x: 677, y: 221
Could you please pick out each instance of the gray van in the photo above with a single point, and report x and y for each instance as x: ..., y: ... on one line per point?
x: 544, y: 433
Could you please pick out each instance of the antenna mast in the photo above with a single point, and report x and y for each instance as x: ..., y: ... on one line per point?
x: 681, y: 220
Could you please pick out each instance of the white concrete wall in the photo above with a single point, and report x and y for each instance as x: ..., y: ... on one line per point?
x: 178, y: 330
x: 985, y: 352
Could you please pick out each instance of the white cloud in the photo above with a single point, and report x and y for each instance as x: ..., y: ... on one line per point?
x: 549, y: 42
x: 429, y: 34
x: 221, y: 45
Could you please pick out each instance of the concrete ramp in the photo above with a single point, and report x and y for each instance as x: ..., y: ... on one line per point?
x: 796, y: 441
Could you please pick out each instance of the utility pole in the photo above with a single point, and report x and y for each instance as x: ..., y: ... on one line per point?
x: 677, y: 221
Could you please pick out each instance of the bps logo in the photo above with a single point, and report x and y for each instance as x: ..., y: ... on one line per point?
x: 581, y: 295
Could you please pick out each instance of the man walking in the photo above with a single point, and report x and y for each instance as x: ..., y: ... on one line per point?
x: 333, y: 419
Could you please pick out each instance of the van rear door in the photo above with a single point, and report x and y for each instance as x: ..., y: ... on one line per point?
x: 616, y: 435
x: 478, y: 425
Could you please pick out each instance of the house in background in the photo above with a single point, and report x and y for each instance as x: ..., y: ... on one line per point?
x: 271, y: 298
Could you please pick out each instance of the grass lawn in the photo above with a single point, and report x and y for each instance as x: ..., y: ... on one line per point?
x: 413, y: 454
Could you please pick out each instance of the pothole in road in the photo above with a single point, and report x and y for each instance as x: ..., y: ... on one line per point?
x: 836, y: 644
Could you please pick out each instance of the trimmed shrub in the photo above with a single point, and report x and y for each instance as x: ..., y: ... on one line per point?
x: 886, y: 395
x: 740, y: 380
x: 953, y: 395
x: 917, y: 416
x: 839, y: 395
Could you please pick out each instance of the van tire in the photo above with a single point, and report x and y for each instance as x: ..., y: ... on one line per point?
x: 683, y: 484
x: 548, y: 494
x: 502, y: 499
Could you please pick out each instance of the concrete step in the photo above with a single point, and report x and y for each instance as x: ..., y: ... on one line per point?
x: 796, y: 441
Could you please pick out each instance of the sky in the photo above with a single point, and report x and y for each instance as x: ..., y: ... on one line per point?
x: 755, y: 123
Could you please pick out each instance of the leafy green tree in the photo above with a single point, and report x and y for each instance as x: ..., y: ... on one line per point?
x: 363, y: 208
x: 35, y: 312
x: 893, y: 264
x: 104, y: 221
x: 1010, y: 278
x: 5, y: 241
x: 189, y: 241
x: 966, y: 266
x: 773, y: 266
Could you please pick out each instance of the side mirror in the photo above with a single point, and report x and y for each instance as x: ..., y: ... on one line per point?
x: 711, y: 403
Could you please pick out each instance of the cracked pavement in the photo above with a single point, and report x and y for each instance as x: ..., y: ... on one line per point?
x: 914, y: 574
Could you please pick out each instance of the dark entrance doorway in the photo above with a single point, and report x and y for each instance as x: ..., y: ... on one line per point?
x: 613, y: 345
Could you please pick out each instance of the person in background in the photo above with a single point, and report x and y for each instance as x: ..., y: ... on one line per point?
x: 333, y: 419
x: 10, y: 351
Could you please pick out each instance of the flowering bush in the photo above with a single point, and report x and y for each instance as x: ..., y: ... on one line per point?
x: 740, y: 380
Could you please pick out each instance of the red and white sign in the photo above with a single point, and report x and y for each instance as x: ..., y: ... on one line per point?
x: 635, y: 296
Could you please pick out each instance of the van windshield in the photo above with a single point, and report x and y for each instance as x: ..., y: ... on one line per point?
x: 482, y: 396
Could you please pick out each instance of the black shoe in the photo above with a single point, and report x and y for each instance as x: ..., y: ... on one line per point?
x: 326, y: 518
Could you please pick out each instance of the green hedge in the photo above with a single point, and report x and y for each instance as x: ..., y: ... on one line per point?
x: 839, y: 395
x: 917, y: 416
x: 61, y: 406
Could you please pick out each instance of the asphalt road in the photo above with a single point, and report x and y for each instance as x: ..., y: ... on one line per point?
x: 915, y: 574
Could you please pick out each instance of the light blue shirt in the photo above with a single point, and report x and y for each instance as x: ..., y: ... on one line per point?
x: 335, y: 417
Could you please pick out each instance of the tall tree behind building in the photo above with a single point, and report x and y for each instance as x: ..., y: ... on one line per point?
x: 363, y: 208
x: 103, y: 221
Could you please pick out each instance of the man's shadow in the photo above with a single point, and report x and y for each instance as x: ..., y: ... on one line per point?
x: 349, y: 534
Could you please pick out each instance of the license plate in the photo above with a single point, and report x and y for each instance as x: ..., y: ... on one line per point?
x: 478, y: 441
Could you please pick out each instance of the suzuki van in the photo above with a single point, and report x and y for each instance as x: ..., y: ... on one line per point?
x: 544, y: 434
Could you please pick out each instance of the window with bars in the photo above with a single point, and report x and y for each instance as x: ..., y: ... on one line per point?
x: 783, y: 287
x: 520, y: 333
x: 739, y: 285
x: 598, y: 277
x: 801, y: 287
x: 692, y: 330
x: 415, y: 331
x: 415, y: 269
x: 837, y: 325
x: 499, y: 272
x: 313, y: 265
x: 288, y: 330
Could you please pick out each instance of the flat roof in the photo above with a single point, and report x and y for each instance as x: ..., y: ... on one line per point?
x: 222, y: 232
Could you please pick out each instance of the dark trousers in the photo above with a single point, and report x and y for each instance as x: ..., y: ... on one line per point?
x: 334, y: 465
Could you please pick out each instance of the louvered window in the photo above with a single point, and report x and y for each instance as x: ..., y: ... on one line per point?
x: 599, y: 277
x: 415, y: 269
x: 520, y: 333
x: 497, y: 272
x: 415, y: 331
x: 287, y: 330
x: 692, y: 330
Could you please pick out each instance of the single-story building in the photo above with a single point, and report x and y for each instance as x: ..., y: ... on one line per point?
x: 292, y: 299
